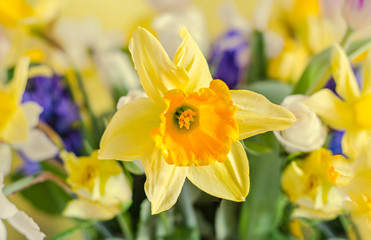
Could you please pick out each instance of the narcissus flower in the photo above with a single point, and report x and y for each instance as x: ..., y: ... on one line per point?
x: 351, y: 112
x: 18, y: 122
x: 189, y: 125
x: 101, y: 187
x: 310, y: 183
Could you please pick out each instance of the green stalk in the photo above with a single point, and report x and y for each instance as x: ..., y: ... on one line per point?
x: 165, y: 222
x: 18, y: 185
x: 347, y: 39
x: 347, y: 223
x: 188, y: 213
x: 125, y: 225
x: 87, y: 104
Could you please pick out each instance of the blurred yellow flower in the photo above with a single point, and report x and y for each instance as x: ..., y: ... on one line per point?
x: 20, y: 11
x: 101, y: 187
x: 189, y: 124
x: 351, y: 111
x: 310, y: 183
x: 14, y: 126
x: 13, y: 11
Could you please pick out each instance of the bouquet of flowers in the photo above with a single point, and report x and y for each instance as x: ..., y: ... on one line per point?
x: 179, y: 119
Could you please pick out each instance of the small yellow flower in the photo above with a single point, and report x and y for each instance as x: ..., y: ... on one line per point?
x: 351, y: 112
x: 189, y: 125
x: 101, y: 187
x: 310, y: 183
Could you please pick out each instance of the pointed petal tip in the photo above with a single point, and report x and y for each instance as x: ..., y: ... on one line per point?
x: 183, y: 32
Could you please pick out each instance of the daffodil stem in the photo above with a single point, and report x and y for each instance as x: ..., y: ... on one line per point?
x: 89, y: 109
x: 125, y: 225
x: 32, y: 180
x: 326, y: 230
x: 347, y: 223
x: 165, y: 222
x: 347, y: 39
x: 103, y: 230
x: 188, y: 213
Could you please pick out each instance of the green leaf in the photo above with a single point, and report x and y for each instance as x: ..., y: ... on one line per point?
x: 226, y: 221
x: 258, y: 67
x: 358, y: 47
x: 180, y: 233
x: 255, y: 148
x: 133, y: 168
x: 317, y: 69
x: 68, y: 232
x: 274, y: 90
x: 47, y: 196
x: 261, y: 212
x: 317, y: 72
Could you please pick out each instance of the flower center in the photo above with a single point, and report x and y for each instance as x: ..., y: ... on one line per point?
x: 362, y: 112
x: 184, y: 116
x: 197, y: 128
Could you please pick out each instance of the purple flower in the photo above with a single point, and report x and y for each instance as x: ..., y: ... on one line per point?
x: 230, y: 58
x: 335, y: 142
x: 332, y: 85
x: 60, y: 112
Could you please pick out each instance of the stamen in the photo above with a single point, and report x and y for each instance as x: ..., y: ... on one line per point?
x: 184, y: 117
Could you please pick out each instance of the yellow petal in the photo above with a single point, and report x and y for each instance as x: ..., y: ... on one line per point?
x: 164, y: 182
x: 353, y: 142
x: 366, y: 75
x: 127, y: 136
x: 19, y: 81
x: 86, y: 209
x: 190, y: 57
x: 346, y: 83
x: 336, y: 113
x: 17, y: 129
x: 13, y: 11
x: 256, y: 114
x: 156, y: 71
x: 228, y: 180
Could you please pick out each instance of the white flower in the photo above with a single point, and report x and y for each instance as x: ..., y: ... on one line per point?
x: 17, y: 219
x: 38, y: 146
x: 307, y: 133
x: 81, y: 38
x: 357, y: 13
x: 168, y: 5
x: 167, y: 25
x: 116, y: 66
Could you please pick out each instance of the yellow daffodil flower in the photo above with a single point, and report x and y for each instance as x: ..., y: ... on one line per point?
x: 14, y: 126
x: 310, y: 183
x: 351, y: 112
x: 101, y: 187
x: 356, y: 184
x: 189, y: 125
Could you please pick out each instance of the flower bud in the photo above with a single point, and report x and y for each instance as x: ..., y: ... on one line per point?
x: 357, y: 13
x: 307, y: 133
